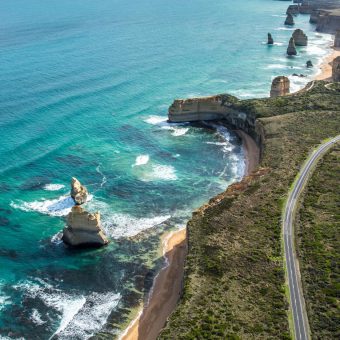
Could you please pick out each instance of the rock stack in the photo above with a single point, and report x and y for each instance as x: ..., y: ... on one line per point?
x: 78, y: 192
x: 280, y: 87
x: 270, y: 39
x: 337, y: 39
x: 289, y: 20
x: 300, y: 38
x: 309, y: 64
x: 336, y: 69
x: 291, y: 50
x: 83, y: 229
x: 293, y: 9
x: 305, y: 8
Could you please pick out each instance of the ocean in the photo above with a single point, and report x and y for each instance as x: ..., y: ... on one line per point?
x: 84, y: 91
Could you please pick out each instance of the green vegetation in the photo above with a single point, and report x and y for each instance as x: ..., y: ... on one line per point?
x: 234, y: 286
x: 318, y: 246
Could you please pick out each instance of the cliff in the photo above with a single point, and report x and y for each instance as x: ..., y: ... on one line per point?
x: 234, y: 274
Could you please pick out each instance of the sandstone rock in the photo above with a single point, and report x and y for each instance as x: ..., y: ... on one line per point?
x: 289, y: 20
x: 337, y: 39
x: 300, y: 38
x: 291, y: 50
x: 280, y: 86
x: 293, y: 9
x: 336, y: 69
x: 270, y: 39
x: 309, y: 64
x: 328, y: 21
x: 78, y: 192
x: 83, y: 229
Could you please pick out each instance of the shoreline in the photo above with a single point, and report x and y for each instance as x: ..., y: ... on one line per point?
x: 326, y: 65
x: 164, y: 293
x: 167, y: 286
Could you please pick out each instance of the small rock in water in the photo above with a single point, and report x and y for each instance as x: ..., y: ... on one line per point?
x: 309, y: 64
x: 78, y: 192
x: 270, y: 39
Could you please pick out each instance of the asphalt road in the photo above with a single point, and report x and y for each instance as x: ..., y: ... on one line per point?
x: 297, y: 304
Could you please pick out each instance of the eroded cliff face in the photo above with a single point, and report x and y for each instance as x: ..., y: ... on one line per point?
x: 220, y: 107
x: 336, y: 69
x: 83, y: 229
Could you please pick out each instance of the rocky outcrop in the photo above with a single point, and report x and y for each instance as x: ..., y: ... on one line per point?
x: 280, y: 86
x: 337, y: 39
x: 300, y: 38
x: 291, y: 50
x: 336, y: 69
x: 83, y: 229
x: 305, y: 8
x: 270, y: 39
x: 78, y: 192
x: 293, y: 9
x: 328, y: 21
x: 309, y: 64
x: 289, y: 20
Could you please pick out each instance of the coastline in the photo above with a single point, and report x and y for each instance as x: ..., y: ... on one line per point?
x: 167, y: 285
x: 165, y: 292
x: 326, y: 65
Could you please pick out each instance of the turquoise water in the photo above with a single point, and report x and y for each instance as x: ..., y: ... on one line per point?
x: 84, y: 91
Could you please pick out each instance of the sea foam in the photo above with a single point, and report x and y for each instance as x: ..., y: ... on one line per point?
x: 141, y: 160
x: 54, y: 187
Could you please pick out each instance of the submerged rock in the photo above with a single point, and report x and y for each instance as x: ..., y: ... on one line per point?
x: 289, y: 20
x: 270, y: 39
x: 291, y: 50
x: 309, y: 64
x: 84, y: 229
x: 336, y: 69
x: 300, y: 38
x: 337, y: 39
x: 280, y: 86
x: 78, y: 192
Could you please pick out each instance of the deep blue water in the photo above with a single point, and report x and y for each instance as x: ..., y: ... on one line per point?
x: 84, y: 91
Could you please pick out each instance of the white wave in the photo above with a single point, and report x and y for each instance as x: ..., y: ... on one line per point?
x: 275, y: 66
x: 104, y: 179
x: 141, y: 160
x: 284, y: 29
x: 159, y: 172
x: 36, y: 317
x: 79, y: 316
x: 56, y: 207
x: 53, y: 187
x: 91, y: 317
x: 155, y: 120
x: 179, y: 131
x: 124, y: 225
x: 4, y: 299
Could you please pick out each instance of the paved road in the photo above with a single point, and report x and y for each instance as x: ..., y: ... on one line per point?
x: 297, y: 305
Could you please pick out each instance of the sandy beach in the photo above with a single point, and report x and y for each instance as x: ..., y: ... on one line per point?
x: 326, y: 66
x: 165, y: 292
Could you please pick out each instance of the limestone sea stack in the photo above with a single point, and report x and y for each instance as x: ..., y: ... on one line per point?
x: 336, y: 69
x: 270, y: 39
x: 337, y: 39
x: 300, y: 38
x: 280, y: 87
x: 84, y: 229
x: 291, y: 50
x: 289, y: 20
x: 293, y: 9
x: 78, y: 192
